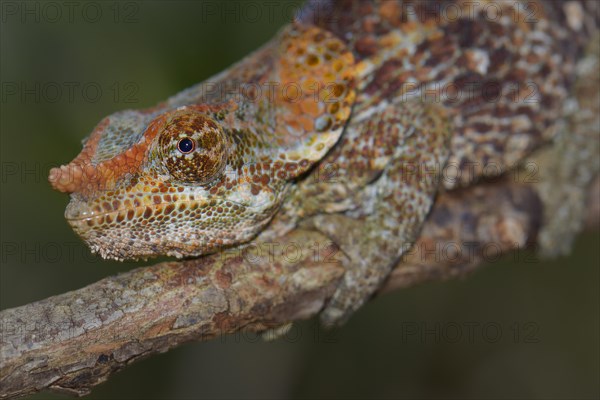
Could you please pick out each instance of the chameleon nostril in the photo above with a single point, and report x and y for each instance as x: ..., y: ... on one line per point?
x: 186, y: 145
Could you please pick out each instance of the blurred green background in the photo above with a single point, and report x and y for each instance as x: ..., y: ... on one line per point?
x: 528, y: 328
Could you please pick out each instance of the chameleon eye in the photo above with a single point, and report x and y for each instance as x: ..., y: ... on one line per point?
x: 192, y: 146
x: 186, y: 145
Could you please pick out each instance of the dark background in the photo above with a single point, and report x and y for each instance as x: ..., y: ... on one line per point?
x: 518, y: 328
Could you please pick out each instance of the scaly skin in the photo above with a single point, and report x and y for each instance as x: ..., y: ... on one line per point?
x: 349, y: 122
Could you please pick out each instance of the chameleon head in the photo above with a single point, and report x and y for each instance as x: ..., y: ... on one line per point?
x: 193, y: 175
x: 180, y: 182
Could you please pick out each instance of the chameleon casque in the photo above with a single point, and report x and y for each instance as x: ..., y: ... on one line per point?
x: 347, y: 122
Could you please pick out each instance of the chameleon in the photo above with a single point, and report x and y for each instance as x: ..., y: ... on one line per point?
x: 349, y: 121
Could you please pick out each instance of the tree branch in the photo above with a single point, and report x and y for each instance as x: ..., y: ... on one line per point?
x: 76, y: 340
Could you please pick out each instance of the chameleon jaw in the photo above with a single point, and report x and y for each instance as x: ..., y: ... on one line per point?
x: 188, y: 225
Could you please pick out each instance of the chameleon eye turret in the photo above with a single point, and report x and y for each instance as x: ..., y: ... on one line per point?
x: 192, y: 146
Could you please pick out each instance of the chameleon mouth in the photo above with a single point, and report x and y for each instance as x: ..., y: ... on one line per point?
x: 181, y: 229
x: 78, y: 213
x: 147, y: 230
x: 85, y: 219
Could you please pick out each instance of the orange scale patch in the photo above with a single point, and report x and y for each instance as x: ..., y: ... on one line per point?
x: 309, y: 107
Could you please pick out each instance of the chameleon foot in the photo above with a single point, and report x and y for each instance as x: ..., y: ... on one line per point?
x: 365, y: 270
x: 276, y: 333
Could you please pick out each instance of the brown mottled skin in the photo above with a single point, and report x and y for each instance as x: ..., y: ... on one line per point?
x: 349, y: 122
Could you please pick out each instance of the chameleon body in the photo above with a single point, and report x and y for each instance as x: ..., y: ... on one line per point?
x: 349, y: 121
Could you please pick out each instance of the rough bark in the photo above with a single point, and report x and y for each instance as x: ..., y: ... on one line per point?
x: 76, y: 340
